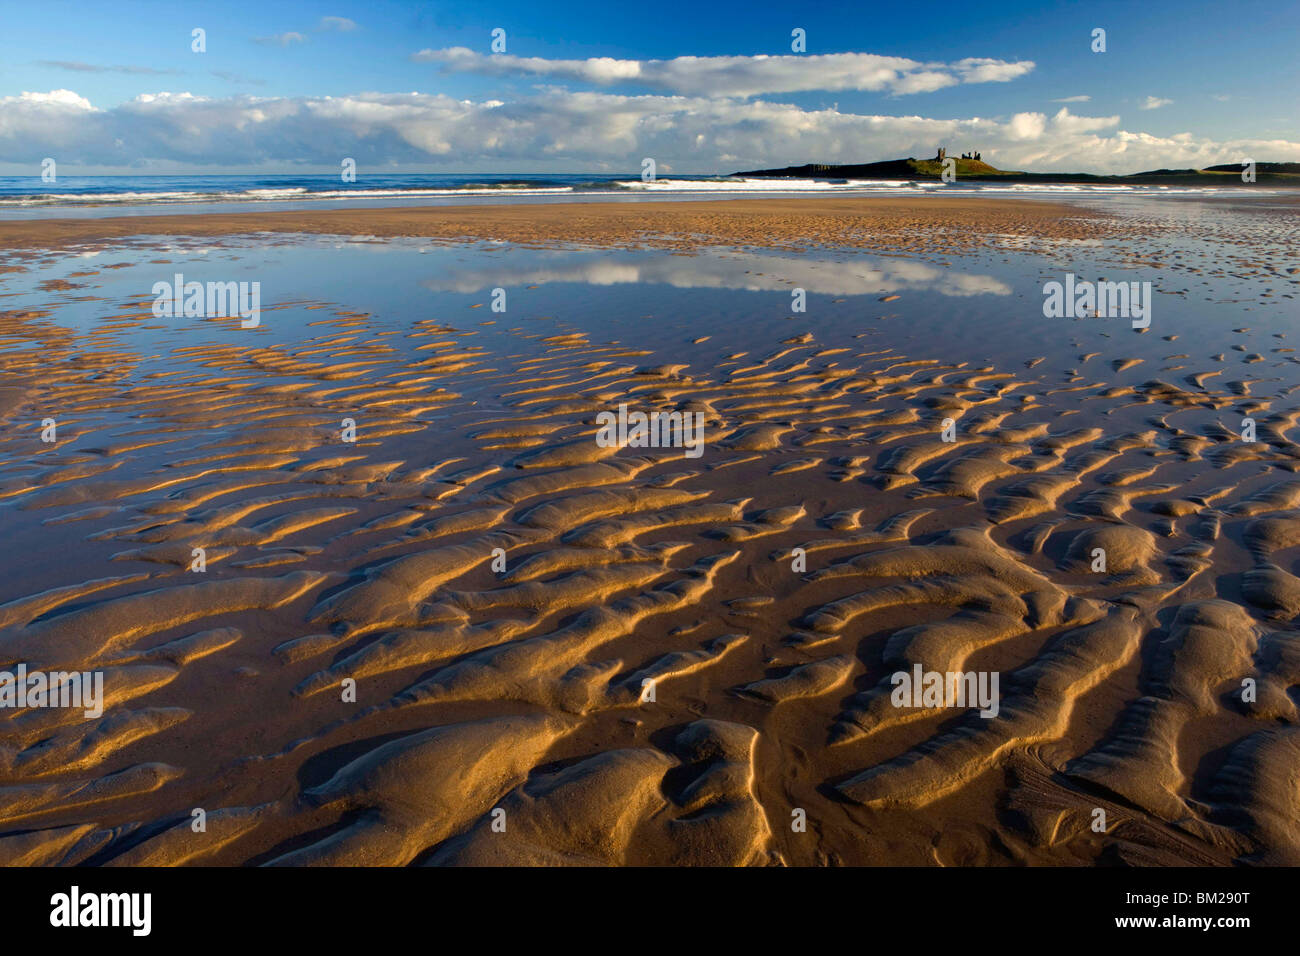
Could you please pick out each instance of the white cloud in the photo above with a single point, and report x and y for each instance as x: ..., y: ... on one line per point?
x: 79, y: 67
x: 342, y: 24
x: 232, y: 77
x: 52, y: 99
x: 47, y: 122
x: 714, y: 269
x: 985, y: 70
x: 281, y: 39
x: 1027, y: 126
x: 1154, y: 103
x: 1082, y: 98
x: 741, y: 75
x: 567, y: 131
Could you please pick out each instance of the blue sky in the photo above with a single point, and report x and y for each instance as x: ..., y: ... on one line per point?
x: 291, y: 86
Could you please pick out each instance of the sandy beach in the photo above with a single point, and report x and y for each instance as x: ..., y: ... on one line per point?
x: 739, y: 222
x: 366, y: 588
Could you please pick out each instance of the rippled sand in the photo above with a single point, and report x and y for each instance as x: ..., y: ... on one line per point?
x: 479, y: 691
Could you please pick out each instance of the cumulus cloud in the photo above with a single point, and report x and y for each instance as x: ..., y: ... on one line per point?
x: 742, y: 76
x: 566, y: 131
x: 1154, y: 103
x: 342, y: 24
x: 1082, y: 98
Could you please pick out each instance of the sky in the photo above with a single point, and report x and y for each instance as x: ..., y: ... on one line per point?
x: 296, y: 87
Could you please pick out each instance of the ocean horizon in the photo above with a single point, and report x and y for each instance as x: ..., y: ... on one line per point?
x: 23, y: 196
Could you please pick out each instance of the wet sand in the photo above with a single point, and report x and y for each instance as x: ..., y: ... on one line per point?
x: 827, y: 539
x: 806, y: 222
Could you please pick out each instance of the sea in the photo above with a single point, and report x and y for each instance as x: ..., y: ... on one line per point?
x: 27, y: 197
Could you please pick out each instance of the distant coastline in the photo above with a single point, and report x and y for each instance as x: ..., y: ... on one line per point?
x: 1274, y: 174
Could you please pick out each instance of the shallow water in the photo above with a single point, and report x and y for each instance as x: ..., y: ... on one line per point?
x: 983, y: 308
